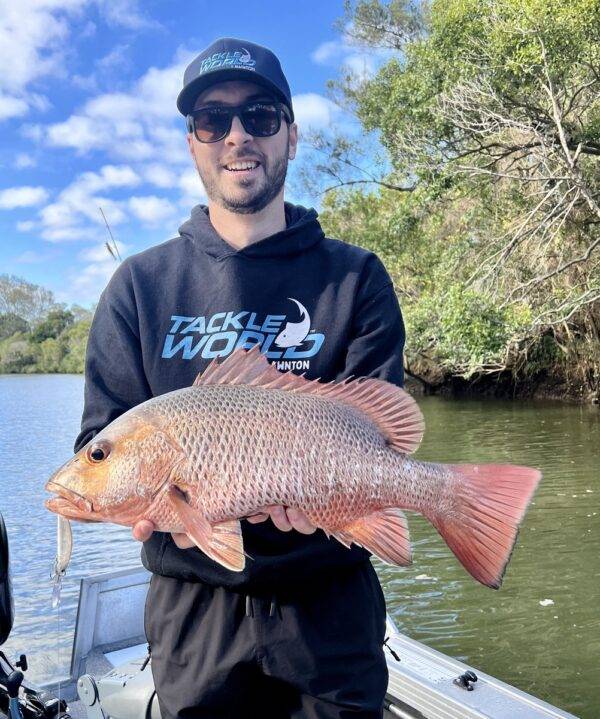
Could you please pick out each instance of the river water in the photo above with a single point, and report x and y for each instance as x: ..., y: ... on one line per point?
x: 539, y: 632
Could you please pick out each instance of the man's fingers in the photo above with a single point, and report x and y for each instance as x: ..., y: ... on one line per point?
x: 182, y: 540
x: 279, y: 518
x: 285, y: 519
x: 142, y: 530
x: 299, y: 521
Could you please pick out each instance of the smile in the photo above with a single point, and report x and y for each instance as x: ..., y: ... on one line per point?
x: 242, y: 168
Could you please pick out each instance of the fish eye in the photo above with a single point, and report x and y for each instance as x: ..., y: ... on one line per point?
x: 98, y: 452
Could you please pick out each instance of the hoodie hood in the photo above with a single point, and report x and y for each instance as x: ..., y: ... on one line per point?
x: 302, y: 232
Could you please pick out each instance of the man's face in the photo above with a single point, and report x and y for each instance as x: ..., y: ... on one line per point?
x: 242, y: 191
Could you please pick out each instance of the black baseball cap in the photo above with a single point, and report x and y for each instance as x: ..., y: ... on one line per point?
x: 231, y: 59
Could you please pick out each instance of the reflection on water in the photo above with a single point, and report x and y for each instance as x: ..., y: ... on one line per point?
x: 39, y: 420
x: 540, y: 631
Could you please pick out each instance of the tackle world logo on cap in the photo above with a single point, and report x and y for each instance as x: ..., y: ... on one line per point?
x: 237, y: 59
x: 290, y: 343
x: 230, y: 58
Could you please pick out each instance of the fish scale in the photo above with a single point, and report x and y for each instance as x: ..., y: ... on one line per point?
x: 329, y: 482
x: 245, y: 437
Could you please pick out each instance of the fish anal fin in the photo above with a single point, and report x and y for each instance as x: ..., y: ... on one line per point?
x: 222, y: 541
x: 390, y: 408
x: 383, y: 533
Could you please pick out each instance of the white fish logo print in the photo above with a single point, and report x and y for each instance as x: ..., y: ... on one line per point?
x: 294, y: 333
x: 246, y: 57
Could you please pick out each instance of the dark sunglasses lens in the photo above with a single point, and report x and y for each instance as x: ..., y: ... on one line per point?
x: 261, y: 120
x: 211, y: 124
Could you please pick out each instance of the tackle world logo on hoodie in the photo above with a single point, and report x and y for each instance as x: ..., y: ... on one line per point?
x: 290, y: 343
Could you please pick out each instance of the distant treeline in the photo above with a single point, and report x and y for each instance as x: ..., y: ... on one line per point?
x: 37, y: 334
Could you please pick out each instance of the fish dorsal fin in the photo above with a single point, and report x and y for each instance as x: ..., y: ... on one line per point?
x: 393, y: 410
x: 240, y: 367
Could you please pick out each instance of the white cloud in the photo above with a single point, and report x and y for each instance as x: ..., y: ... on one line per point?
x: 25, y: 226
x: 116, y: 58
x: 25, y: 196
x: 70, y: 234
x: 86, y: 283
x: 31, y: 257
x: 77, y: 132
x: 192, y: 188
x: 136, y: 125
x: 151, y: 210
x: 159, y: 175
x: 108, y: 176
x: 99, y: 253
x: 34, y: 37
x: 23, y: 160
x: 126, y: 14
x: 78, y: 204
x: 326, y: 52
x: 11, y: 107
x: 313, y: 111
x: 346, y: 52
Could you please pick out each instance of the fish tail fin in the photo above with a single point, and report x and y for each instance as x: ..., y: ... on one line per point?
x: 487, y: 503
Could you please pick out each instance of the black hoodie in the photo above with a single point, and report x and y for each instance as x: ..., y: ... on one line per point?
x: 315, y: 305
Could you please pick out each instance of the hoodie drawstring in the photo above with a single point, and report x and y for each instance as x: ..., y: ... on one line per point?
x: 274, y: 607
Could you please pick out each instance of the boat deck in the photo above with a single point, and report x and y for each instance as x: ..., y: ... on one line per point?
x: 109, y: 643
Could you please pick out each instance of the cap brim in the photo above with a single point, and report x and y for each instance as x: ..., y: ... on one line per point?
x: 188, y: 96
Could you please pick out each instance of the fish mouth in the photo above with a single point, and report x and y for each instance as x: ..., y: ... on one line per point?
x: 67, y: 501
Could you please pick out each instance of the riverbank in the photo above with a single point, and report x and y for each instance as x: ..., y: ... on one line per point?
x: 503, y: 385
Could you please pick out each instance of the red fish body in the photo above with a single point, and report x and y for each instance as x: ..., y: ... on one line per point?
x: 246, y: 436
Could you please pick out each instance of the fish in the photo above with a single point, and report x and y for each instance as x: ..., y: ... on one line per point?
x: 294, y: 333
x: 245, y: 436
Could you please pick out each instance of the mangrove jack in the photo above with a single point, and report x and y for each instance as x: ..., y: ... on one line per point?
x: 246, y: 436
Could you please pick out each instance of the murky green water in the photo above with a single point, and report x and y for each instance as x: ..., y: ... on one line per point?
x: 540, y: 631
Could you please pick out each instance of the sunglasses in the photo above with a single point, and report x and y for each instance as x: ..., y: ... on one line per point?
x: 259, y: 119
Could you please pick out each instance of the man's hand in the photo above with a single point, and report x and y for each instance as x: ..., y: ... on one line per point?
x: 142, y: 531
x: 284, y: 518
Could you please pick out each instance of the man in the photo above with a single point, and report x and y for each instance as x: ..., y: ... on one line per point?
x: 299, y: 632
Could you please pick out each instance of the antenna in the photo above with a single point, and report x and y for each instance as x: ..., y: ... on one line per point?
x: 114, y: 251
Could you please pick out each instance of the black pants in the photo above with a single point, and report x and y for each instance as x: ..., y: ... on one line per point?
x: 218, y: 654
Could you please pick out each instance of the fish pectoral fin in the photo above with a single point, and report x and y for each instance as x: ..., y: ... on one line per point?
x: 383, y: 533
x: 222, y: 542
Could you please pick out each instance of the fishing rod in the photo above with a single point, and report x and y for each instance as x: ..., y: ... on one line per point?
x: 18, y: 698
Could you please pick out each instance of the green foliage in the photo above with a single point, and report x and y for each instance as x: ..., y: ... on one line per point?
x: 468, y: 331
x: 52, y: 326
x: 57, y: 344
x: 489, y: 110
x: 37, y: 334
x: 17, y: 354
x: 11, y: 323
x: 22, y: 298
x: 75, y: 338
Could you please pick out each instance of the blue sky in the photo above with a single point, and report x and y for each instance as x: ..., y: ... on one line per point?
x: 88, y: 119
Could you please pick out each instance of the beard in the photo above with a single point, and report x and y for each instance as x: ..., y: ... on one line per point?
x: 250, y: 196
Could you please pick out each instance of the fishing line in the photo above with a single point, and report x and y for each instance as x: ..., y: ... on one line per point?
x: 58, y: 650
